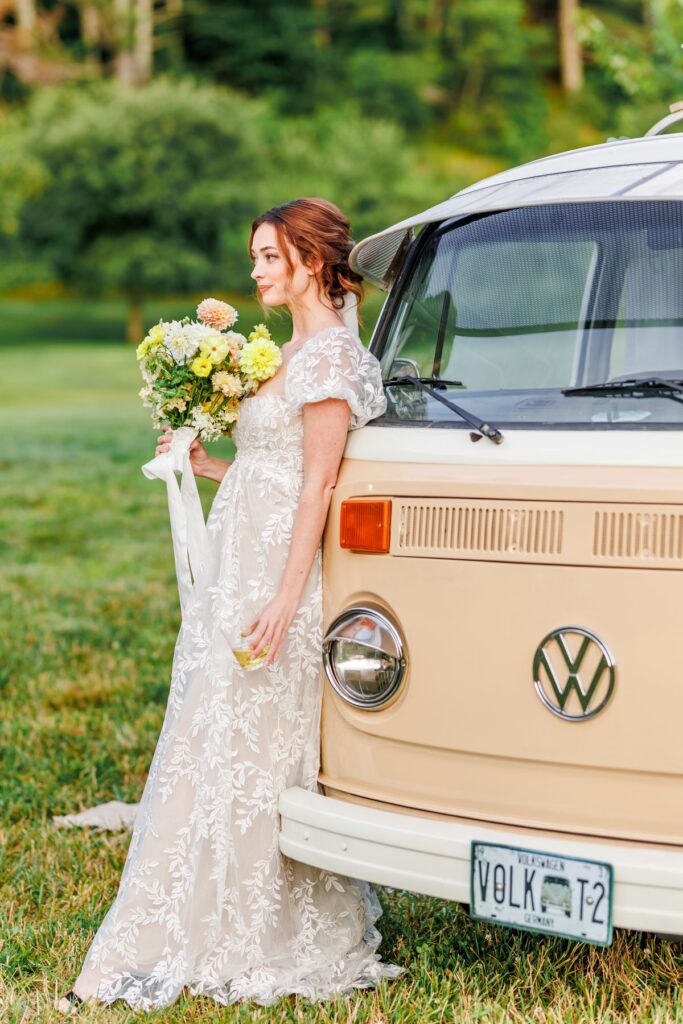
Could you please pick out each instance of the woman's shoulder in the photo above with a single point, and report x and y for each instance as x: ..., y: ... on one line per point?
x: 334, y: 363
x: 338, y: 334
x: 336, y: 343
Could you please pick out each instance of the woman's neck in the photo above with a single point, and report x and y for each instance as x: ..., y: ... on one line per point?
x: 308, y: 319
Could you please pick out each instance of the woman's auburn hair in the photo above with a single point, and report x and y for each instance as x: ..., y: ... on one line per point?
x: 319, y: 231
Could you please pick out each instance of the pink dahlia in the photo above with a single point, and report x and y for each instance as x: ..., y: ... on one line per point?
x: 216, y: 314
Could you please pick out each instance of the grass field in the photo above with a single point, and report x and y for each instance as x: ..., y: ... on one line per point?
x: 89, y: 620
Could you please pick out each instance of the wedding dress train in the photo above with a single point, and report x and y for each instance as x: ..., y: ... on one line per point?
x: 206, y: 899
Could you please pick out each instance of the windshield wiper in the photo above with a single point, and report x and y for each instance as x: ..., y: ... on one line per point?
x: 481, y: 426
x: 438, y: 382
x: 669, y: 387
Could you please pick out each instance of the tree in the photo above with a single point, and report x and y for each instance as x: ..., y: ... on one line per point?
x: 140, y: 187
x: 491, y: 73
x: 571, y: 59
x: 364, y: 165
x: 637, y: 65
x: 27, y: 18
x: 152, y: 190
x: 30, y: 47
x: 135, y: 39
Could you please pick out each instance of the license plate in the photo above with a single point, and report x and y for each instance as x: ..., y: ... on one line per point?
x: 542, y: 892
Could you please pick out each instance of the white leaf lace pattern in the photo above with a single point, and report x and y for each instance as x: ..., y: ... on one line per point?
x: 206, y: 900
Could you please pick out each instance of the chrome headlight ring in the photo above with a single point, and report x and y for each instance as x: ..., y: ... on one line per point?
x: 364, y: 658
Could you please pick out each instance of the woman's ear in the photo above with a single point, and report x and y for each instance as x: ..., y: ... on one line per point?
x: 314, y: 267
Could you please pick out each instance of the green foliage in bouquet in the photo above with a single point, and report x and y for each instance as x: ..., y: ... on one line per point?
x: 196, y: 372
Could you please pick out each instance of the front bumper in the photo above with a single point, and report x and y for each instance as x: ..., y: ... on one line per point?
x: 431, y: 856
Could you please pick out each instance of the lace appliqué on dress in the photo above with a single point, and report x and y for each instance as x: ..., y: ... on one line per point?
x: 334, y: 364
x: 206, y: 900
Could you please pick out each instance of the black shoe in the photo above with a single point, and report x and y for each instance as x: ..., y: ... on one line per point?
x: 69, y: 1002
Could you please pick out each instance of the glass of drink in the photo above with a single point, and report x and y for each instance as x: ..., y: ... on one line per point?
x: 241, y: 645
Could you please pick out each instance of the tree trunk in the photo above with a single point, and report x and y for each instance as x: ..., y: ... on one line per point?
x: 91, y: 32
x: 124, y: 62
x: 135, y: 329
x: 571, y: 58
x: 135, y: 41
x: 90, y: 24
x: 26, y: 22
x: 143, y: 53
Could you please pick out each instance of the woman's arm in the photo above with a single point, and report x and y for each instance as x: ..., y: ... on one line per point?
x: 212, y: 469
x: 326, y: 425
x: 202, y: 463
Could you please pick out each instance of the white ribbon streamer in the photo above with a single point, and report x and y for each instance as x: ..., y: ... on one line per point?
x: 188, y: 528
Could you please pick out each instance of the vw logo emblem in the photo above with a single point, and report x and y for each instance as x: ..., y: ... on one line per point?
x: 574, y: 673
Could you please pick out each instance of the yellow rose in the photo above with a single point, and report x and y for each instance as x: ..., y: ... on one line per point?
x: 260, y: 358
x: 201, y: 366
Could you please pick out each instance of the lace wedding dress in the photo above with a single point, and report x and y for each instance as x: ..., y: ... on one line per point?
x: 206, y: 899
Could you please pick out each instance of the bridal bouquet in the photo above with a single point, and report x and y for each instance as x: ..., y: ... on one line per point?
x: 196, y: 372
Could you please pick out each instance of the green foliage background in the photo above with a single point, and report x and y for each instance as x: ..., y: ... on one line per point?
x: 136, y: 188
x: 113, y: 194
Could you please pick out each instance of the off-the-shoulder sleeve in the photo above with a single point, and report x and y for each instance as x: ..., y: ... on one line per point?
x: 334, y: 364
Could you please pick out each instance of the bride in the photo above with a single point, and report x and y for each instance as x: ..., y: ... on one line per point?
x: 206, y: 899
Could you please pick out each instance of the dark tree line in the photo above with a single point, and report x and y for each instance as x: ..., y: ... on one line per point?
x: 484, y: 73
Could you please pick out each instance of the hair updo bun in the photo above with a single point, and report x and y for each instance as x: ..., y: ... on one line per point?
x: 319, y: 231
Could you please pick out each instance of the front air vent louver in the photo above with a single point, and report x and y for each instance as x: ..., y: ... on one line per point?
x: 478, y: 530
x: 542, y: 532
x: 644, y: 536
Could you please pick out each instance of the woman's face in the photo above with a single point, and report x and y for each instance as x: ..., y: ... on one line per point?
x: 271, y: 272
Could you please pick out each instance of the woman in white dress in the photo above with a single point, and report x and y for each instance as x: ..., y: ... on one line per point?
x: 206, y: 900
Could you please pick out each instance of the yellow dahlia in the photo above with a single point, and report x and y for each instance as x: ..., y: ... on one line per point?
x: 260, y: 331
x: 260, y: 358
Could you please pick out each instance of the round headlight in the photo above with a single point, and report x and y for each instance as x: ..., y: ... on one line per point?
x: 364, y: 658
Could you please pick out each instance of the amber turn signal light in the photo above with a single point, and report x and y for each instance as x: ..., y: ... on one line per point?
x: 365, y: 525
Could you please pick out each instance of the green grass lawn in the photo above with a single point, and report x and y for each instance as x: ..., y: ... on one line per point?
x: 89, y: 620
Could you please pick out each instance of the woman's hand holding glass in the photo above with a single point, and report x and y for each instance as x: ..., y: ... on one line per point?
x: 269, y: 628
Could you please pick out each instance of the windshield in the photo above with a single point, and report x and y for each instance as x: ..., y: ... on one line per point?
x: 522, y: 304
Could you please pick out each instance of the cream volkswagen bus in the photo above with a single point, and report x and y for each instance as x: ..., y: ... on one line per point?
x: 503, y: 560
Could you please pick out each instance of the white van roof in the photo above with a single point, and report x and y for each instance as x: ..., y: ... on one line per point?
x: 644, y: 168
